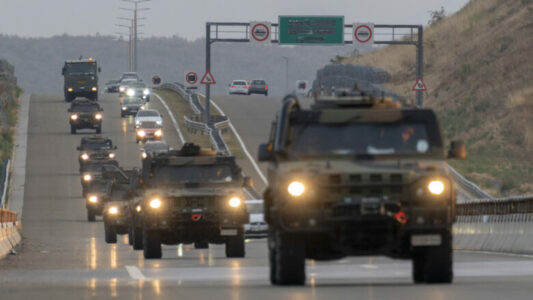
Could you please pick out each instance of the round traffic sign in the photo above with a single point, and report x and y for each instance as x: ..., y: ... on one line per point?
x: 363, y: 33
x: 260, y: 32
x: 191, y: 78
x: 156, y: 80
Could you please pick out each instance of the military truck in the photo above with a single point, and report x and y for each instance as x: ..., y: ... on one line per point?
x: 80, y: 79
x: 189, y: 196
x: 85, y: 114
x: 356, y: 175
x: 95, y: 148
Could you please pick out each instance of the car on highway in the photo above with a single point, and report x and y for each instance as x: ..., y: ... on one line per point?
x: 136, y: 89
x: 356, y: 175
x: 148, y: 131
x: 95, y: 148
x: 129, y: 76
x: 131, y: 106
x: 257, y: 227
x: 124, y: 83
x: 188, y: 196
x: 153, y: 148
x: 148, y: 115
x: 85, y: 114
x: 238, y: 87
x: 112, y: 86
x: 258, y: 86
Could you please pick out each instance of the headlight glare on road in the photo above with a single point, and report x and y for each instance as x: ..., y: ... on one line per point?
x: 98, y: 116
x: 235, y: 202
x: 74, y: 117
x: 155, y: 203
x: 87, y: 177
x: 130, y: 92
x: 296, y: 188
x: 111, y: 155
x: 141, y: 133
x: 113, y: 210
x: 436, y: 187
x: 85, y: 156
x: 93, y: 199
x: 158, y: 132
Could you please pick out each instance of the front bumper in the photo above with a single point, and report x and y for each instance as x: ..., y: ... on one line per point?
x: 81, y: 123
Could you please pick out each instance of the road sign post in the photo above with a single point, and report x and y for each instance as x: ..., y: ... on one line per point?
x: 311, y: 30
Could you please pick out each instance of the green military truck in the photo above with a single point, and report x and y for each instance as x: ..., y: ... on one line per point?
x: 352, y: 176
x: 80, y: 79
x: 189, y: 196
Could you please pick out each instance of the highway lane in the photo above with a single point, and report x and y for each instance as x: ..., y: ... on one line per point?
x: 65, y: 257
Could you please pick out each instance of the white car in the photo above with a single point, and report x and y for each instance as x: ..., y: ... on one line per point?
x: 257, y: 228
x: 151, y: 115
x: 238, y: 87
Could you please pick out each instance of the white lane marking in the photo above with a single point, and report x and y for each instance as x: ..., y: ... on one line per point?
x: 16, y: 192
x: 256, y: 167
x: 171, y: 117
x: 135, y: 273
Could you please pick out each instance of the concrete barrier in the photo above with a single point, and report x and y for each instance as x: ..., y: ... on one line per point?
x: 9, y: 231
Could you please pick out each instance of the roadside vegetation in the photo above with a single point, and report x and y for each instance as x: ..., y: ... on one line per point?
x: 478, y: 70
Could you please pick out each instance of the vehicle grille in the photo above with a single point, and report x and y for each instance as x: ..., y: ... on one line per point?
x: 195, y: 202
x: 364, y: 184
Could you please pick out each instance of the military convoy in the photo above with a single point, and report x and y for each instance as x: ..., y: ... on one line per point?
x: 356, y: 175
x: 80, y: 79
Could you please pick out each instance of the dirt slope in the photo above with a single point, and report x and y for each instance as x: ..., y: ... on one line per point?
x: 479, y: 72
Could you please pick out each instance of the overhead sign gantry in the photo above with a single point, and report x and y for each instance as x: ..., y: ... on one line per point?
x: 315, y: 30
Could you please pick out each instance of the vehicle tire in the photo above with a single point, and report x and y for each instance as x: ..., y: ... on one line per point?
x: 91, y: 216
x: 272, y: 256
x: 201, y: 245
x: 266, y: 94
x: 110, y: 234
x: 72, y: 129
x: 235, y: 245
x: 438, y: 263
x: 151, y: 244
x: 99, y: 129
x: 122, y: 115
x: 418, y: 263
x: 289, y: 257
x: 130, y: 234
x: 137, y: 238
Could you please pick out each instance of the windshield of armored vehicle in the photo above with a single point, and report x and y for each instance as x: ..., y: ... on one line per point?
x: 196, y: 173
x: 97, y: 145
x: 85, y: 107
x: 81, y: 69
x: 360, y: 139
x: 132, y: 100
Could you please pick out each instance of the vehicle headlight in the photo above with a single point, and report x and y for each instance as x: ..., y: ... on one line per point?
x: 141, y: 133
x: 124, y: 108
x: 155, y: 203
x: 70, y: 89
x: 111, y: 155
x: 142, y: 107
x: 159, y: 122
x: 137, y: 122
x: 144, y: 155
x: 235, y: 202
x: 138, y: 208
x: 122, y: 89
x: 296, y: 188
x: 85, y: 156
x: 74, y: 117
x: 130, y: 92
x: 158, y: 132
x: 98, y: 116
x: 146, y: 92
x: 94, y: 89
x: 436, y: 187
x: 93, y: 199
x: 87, y: 177
x: 113, y: 210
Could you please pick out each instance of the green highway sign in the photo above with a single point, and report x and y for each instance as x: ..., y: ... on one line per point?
x: 311, y: 30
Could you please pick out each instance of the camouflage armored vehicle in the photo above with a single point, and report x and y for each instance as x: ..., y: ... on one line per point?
x: 85, y: 114
x: 356, y: 176
x: 80, y: 79
x: 95, y: 197
x: 189, y: 196
x: 95, y: 148
x: 92, y: 171
x: 116, y: 208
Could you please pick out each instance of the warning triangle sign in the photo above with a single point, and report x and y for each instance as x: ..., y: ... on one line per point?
x: 208, y: 78
x: 419, y: 86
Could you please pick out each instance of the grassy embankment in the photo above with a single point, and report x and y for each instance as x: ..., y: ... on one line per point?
x: 478, y: 69
x: 180, y: 107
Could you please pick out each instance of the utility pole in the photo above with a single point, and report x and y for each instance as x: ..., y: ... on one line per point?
x: 286, y: 74
x: 134, y: 32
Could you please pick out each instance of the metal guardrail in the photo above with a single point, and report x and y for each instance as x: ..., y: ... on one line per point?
x: 501, y: 206
x: 468, y: 186
x: 4, y: 183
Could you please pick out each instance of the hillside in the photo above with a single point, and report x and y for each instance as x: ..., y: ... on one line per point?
x: 39, y: 60
x: 479, y: 71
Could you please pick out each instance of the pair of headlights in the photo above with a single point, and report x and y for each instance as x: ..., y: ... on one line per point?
x: 142, y: 133
x: 86, y: 156
x: 296, y: 188
x: 97, y: 116
x: 156, y: 203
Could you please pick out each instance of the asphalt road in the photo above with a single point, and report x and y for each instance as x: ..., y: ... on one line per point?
x: 65, y: 257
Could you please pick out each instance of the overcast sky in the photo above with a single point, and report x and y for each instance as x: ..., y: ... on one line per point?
x: 43, y: 18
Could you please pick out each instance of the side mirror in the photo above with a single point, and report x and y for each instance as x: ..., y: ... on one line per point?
x: 78, y: 148
x: 63, y: 71
x: 69, y: 110
x: 99, y: 69
x: 115, y: 148
x: 248, y: 182
x: 265, y: 153
x: 457, y: 150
